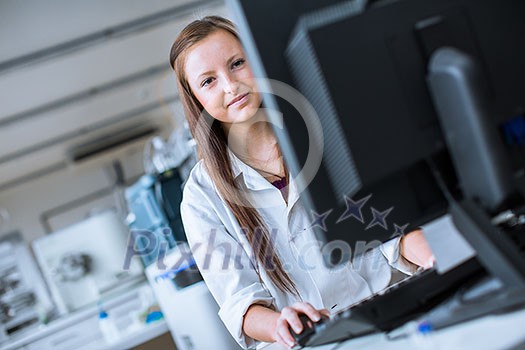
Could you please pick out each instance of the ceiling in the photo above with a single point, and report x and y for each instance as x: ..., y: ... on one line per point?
x: 75, y: 72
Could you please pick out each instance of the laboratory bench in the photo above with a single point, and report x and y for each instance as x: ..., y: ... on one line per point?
x: 80, y: 330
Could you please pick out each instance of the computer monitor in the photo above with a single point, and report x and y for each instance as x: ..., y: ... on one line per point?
x: 387, y: 165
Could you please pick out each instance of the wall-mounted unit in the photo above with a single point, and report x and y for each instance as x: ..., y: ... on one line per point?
x: 110, y: 144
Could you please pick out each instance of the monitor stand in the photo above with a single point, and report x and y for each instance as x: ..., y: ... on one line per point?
x: 462, y: 101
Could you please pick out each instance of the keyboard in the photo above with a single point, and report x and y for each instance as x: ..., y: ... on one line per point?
x: 390, y: 308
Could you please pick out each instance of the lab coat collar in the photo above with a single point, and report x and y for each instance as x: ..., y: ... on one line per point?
x: 242, y: 171
x: 255, y: 181
x: 236, y: 164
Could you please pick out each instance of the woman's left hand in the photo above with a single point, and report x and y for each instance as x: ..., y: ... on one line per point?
x: 414, y: 248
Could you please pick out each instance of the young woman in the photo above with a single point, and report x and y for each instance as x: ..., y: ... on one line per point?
x: 248, y: 231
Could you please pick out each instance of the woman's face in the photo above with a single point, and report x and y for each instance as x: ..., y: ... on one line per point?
x: 221, y: 79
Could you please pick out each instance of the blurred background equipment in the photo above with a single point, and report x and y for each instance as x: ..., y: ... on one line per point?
x: 81, y: 98
x: 147, y: 220
x: 182, y: 294
x: 178, y: 152
x: 74, y: 266
x: 24, y: 300
x: 84, y: 261
x: 154, y: 200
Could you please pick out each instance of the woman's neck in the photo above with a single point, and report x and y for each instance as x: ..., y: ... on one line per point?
x: 254, y: 142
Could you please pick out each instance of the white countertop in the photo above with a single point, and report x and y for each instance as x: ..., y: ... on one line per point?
x: 135, y: 338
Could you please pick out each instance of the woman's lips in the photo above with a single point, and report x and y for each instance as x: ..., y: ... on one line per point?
x: 238, y: 100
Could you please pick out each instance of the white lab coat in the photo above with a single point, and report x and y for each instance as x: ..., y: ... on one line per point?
x: 233, y: 276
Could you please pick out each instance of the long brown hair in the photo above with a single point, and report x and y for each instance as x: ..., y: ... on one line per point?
x: 213, y: 149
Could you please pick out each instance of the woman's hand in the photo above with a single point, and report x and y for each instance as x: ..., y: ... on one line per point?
x: 414, y: 248
x: 289, y: 317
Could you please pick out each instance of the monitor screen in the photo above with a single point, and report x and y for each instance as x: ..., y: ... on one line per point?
x: 364, y: 73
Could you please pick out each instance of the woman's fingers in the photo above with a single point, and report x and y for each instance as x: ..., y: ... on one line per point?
x: 308, y: 310
x: 280, y: 340
x: 291, y: 316
x: 290, y: 319
x: 430, y: 263
x: 283, y: 334
x: 324, y: 312
x: 415, y: 249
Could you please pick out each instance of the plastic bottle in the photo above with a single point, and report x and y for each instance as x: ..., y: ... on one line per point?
x: 421, y: 336
x: 107, y: 327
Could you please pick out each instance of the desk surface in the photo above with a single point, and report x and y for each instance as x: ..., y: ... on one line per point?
x: 504, y: 331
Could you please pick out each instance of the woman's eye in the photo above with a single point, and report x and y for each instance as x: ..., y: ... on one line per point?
x: 206, y: 82
x: 238, y: 63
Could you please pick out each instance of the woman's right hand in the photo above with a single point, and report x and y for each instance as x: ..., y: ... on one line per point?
x: 289, y: 318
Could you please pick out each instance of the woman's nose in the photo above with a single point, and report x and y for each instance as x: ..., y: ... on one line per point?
x: 231, y: 85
